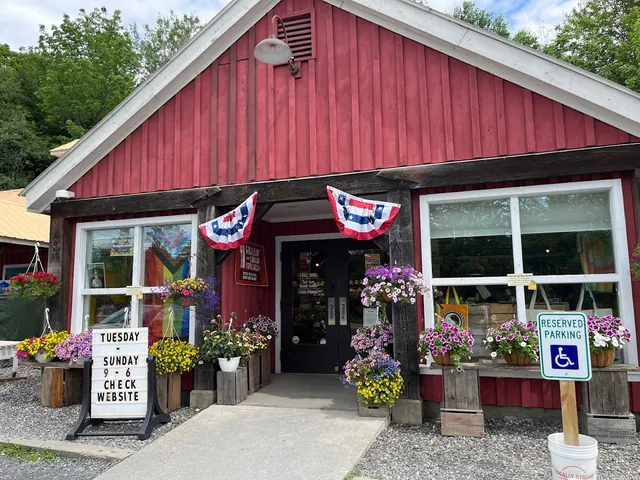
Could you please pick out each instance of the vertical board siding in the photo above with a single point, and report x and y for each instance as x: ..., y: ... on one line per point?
x: 369, y: 99
x: 20, y: 255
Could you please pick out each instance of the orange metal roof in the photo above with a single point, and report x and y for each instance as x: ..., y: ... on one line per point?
x: 18, y: 224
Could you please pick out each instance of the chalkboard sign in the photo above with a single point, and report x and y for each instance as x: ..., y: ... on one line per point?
x: 119, y: 373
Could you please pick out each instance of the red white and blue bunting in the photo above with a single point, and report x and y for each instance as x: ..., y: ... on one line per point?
x: 231, y: 229
x: 359, y: 218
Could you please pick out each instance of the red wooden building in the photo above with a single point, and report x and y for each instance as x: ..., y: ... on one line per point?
x: 504, y: 161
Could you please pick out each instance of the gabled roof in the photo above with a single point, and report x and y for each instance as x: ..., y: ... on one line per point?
x: 19, y: 226
x: 559, y: 81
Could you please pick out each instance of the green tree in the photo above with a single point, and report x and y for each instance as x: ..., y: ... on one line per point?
x: 469, y: 12
x: 156, y: 44
x: 23, y: 151
x: 602, y: 36
x: 90, y: 66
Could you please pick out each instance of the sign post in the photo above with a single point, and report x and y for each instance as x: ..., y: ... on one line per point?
x: 119, y: 383
x: 564, y: 356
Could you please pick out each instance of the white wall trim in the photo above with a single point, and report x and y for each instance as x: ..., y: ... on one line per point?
x: 619, y: 233
x: 79, y: 263
x: 528, y: 68
x: 279, y: 241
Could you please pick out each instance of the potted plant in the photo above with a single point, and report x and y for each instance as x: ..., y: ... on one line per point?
x: 190, y: 292
x: 447, y: 344
x: 256, y: 344
x: 392, y: 283
x: 173, y: 358
x: 41, y: 349
x: 372, y: 338
x: 75, y: 348
x: 378, y: 380
x: 35, y: 285
x: 225, y: 346
x: 606, y: 335
x: 266, y: 327
x: 515, y: 340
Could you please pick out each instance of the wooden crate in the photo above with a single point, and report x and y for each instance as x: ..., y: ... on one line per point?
x: 253, y: 372
x: 61, y: 386
x: 232, y: 387
x: 169, y: 389
x: 610, y: 429
x: 605, y: 412
x: 460, y: 390
x: 265, y: 367
x: 382, y: 411
x: 607, y: 393
x: 462, y: 423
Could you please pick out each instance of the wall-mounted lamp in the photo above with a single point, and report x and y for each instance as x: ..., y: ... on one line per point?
x: 274, y: 51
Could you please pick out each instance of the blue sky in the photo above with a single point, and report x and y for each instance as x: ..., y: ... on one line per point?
x: 20, y: 19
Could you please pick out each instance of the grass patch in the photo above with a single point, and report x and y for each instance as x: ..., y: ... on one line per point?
x: 25, y: 454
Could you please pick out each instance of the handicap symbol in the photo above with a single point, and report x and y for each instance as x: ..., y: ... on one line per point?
x: 565, y: 356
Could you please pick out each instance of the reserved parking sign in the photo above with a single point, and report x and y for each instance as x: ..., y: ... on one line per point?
x: 564, y: 346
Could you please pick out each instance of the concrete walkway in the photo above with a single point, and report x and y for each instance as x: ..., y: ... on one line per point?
x: 247, y: 442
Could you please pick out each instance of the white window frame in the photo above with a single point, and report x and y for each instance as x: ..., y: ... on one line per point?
x: 12, y: 265
x: 619, y: 237
x: 137, y: 224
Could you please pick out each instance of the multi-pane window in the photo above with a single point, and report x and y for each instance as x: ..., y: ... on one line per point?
x: 113, y: 256
x: 571, y: 237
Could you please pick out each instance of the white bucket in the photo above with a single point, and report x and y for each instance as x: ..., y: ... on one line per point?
x: 569, y: 462
x: 229, y: 365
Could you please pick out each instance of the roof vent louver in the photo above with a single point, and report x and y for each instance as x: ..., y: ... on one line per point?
x: 299, y: 34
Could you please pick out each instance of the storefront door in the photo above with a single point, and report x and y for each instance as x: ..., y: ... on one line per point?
x: 321, y: 308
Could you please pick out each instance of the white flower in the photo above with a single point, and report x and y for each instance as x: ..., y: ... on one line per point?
x: 248, y: 330
x: 523, y: 344
x: 494, y: 354
x: 484, y: 341
x: 268, y: 337
x: 489, y: 339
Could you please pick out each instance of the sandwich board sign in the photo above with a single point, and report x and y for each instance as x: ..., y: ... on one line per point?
x: 119, y: 384
x: 564, y: 346
x: 119, y: 373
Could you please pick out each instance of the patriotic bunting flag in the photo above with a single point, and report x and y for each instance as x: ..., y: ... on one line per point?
x: 231, y: 229
x: 359, y: 218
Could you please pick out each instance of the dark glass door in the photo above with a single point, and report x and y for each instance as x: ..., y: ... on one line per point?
x: 321, y: 309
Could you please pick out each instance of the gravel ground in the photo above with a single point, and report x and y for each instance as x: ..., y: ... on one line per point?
x: 511, y: 450
x: 22, y: 415
x: 58, y: 468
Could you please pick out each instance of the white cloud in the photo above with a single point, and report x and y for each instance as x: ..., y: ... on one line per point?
x: 20, y: 18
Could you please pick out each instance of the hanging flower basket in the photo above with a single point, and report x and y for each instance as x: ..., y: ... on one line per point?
x: 603, y: 358
x: 392, y: 283
x: 517, y: 359
x: 445, y: 359
x: 190, y: 292
x: 35, y: 285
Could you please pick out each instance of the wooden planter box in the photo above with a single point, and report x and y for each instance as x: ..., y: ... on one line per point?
x: 169, y: 391
x: 265, y: 367
x: 232, y: 387
x: 605, y: 412
x: 61, y: 385
x: 253, y: 372
x: 461, y: 414
x: 380, y: 411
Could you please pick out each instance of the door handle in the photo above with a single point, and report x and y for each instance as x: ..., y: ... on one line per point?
x: 331, y: 307
x: 343, y: 310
